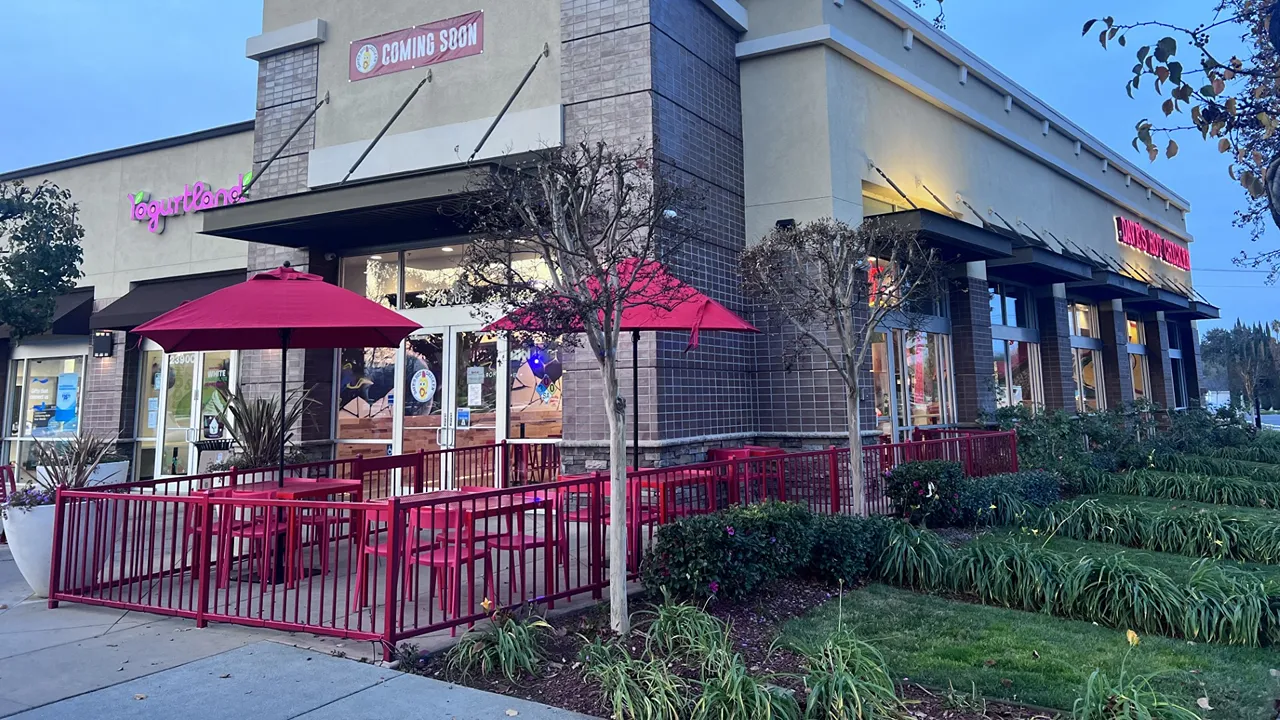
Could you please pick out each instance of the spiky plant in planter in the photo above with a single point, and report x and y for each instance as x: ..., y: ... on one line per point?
x: 254, y: 427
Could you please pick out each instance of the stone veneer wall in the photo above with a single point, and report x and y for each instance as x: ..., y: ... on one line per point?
x: 1057, y: 379
x: 1117, y: 373
x: 1159, y: 365
x: 973, y: 359
x: 287, y: 91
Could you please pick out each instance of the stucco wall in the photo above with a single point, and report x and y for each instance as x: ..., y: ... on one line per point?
x: 908, y: 124
x: 461, y: 90
x: 119, y: 250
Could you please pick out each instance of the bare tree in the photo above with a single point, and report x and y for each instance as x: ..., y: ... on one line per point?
x: 836, y: 285
x: 566, y: 241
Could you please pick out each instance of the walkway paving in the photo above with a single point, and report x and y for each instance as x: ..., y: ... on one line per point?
x: 93, y: 661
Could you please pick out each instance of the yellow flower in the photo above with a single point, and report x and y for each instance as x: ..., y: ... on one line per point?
x: 486, y: 604
x: 993, y: 507
x: 1132, y: 637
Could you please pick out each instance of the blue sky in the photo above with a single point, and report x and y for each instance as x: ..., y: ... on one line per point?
x: 105, y: 74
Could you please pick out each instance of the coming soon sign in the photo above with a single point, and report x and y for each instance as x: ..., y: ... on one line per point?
x: 418, y: 46
x: 1152, y: 243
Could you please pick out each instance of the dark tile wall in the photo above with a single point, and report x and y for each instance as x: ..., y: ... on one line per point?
x: 1159, y: 366
x: 971, y: 343
x: 1117, y: 374
x: 1055, y: 353
x: 1193, y: 367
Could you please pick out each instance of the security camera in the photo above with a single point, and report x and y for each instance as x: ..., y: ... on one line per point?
x: 330, y: 257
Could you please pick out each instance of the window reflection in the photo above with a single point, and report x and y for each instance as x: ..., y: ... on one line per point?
x: 1087, y: 374
x: 881, y: 382
x: 1138, y: 365
x: 536, y: 391
x: 366, y: 393
x: 921, y: 364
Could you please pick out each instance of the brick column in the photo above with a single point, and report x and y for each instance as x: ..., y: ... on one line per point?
x: 110, y: 395
x: 1055, y: 351
x: 1113, y: 326
x: 1191, y: 364
x: 1159, y: 366
x: 971, y: 344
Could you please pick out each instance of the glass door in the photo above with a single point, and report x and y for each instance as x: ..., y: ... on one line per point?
x: 180, y: 402
x: 449, y: 381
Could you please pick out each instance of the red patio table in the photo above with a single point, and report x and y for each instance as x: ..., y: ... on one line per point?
x: 302, y: 488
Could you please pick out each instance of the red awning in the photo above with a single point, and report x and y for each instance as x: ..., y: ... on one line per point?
x: 252, y: 315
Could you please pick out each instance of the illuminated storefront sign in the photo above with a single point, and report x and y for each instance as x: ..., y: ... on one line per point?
x: 1152, y: 243
x: 418, y: 46
x: 196, y: 197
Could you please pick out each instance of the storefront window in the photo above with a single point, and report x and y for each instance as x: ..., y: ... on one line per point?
x: 1138, y: 365
x: 881, y: 380
x: 1179, y: 384
x: 1017, y: 373
x: 1087, y: 373
x: 376, y: 277
x: 536, y: 392
x: 181, y: 399
x: 44, y: 402
x: 149, y: 412
x: 1137, y: 334
x: 1010, y: 306
x: 1083, y: 320
x: 366, y: 397
x: 921, y: 363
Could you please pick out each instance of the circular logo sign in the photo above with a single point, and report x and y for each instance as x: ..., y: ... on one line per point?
x: 366, y: 59
x: 422, y: 386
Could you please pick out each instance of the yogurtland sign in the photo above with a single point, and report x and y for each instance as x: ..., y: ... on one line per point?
x: 196, y: 197
x: 1152, y: 243
x: 418, y: 46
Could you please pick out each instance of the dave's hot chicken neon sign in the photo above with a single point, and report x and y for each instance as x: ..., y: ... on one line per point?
x: 1152, y: 243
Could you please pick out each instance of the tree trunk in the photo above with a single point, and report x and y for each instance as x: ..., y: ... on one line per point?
x: 619, y: 619
x: 1257, y: 409
x: 857, y: 480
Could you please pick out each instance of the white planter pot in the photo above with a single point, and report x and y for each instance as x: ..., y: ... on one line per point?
x: 31, y: 542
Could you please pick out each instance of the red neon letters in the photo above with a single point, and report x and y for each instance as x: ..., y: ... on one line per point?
x: 1152, y: 243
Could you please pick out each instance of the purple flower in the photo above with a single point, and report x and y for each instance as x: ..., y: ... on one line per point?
x: 729, y: 530
x: 773, y: 540
x: 915, y: 484
x: 714, y: 587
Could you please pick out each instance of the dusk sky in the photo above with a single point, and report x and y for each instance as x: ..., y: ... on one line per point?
x: 104, y: 73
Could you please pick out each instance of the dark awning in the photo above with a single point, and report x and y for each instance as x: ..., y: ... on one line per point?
x: 154, y: 297
x: 955, y: 240
x: 1108, y: 285
x: 1159, y: 299
x: 1195, y: 310
x: 1038, y: 266
x: 70, y: 314
x: 382, y: 212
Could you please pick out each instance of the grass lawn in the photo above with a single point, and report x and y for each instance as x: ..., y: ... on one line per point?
x: 1157, y: 504
x: 934, y: 641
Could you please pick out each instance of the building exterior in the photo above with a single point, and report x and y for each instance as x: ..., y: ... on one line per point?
x: 1072, y: 285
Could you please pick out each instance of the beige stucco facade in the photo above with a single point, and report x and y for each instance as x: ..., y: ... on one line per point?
x: 829, y: 89
x: 120, y: 251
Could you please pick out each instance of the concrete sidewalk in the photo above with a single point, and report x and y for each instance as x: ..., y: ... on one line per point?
x: 269, y: 681
x: 80, y: 660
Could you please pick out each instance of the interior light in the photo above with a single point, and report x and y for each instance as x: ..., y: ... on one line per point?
x: 375, y: 257
x: 446, y: 249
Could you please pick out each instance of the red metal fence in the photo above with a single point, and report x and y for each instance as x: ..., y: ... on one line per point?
x: 406, y: 560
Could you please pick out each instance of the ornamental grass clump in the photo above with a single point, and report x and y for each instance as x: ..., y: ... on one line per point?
x: 1209, y: 489
x: 510, y: 645
x: 1197, y: 533
x: 1249, y: 453
x: 634, y: 689
x: 730, y: 692
x: 915, y: 558
x: 682, y: 630
x: 1218, y: 467
x: 847, y: 679
x: 1011, y: 573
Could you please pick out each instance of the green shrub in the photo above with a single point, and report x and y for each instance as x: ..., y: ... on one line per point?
x: 926, y: 491
x: 1005, y: 499
x: 1196, y: 488
x: 1218, y: 467
x: 730, y: 553
x: 1011, y: 573
x: 846, y: 548
x: 509, y: 645
x: 914, y: 558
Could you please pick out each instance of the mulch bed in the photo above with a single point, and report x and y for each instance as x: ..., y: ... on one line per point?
x: 754, y: 627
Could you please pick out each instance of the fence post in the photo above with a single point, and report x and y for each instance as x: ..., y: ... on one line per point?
x: 357, y: 473
x: 233, y: 476
x: 419, y: 470
x: 204, y: 558
x: 833, y: 465
x: 595, y: 557
x: 782, y: 480
x: 391, y: 601
x: 966, y: 445
x: 504, y: 457
x: 55, y: 563
x: 1013, y: 451
x: 733, y: 483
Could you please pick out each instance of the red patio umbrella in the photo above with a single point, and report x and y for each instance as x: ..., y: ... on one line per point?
x: 281, y: 308
x: 663, y: 302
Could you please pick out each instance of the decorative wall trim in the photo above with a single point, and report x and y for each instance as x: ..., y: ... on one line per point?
x: 292, y: 37
x: 844, y: 44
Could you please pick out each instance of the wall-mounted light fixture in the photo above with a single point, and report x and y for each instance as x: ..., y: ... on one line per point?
x: 104, y: 343
x: 786, y: 224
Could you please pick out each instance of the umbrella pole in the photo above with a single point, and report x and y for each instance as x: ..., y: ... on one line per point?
x: 635, y: 399
x: 278, y: 570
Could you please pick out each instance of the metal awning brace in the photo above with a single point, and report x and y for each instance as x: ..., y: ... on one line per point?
x: 387, y: 127
x: 263, y: 170
x: 893, y: 185
x: 546, y: 52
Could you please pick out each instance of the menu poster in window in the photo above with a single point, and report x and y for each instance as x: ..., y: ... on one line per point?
x: 66, y: 409
x: 40, y: 405
x: 153, y: 412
